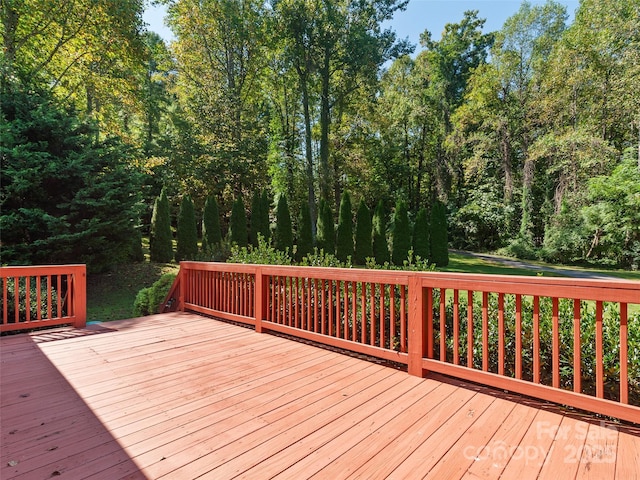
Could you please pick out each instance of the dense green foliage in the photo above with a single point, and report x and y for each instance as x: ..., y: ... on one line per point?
x: 66, y: 198
x: 325, y: 239
x: 401, y: 234
x: 211, y: 233
x: 160, y: 238
x: 379, y: 235
x: 304, y: 238
x: 363, y: 241
x: 421, y: 236
x: 238, y: 233
x: 344, y: 232
x: 283, y: 234
x: 187, y: 231
x: 148, y: 300
x: 438, y: 235
x: 528, y: 135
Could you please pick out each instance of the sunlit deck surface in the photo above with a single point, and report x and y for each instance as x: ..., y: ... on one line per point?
x: 181, y: 396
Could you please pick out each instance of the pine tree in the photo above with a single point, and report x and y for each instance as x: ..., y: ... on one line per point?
x: 264, y: 216
x: 283, y: 235
x: 401, y: 240
x: 344, y: 235
x: 187, y: 233
x: 211, y: 232
x: 439, y: 238
x: 255, y: 225
x: 160, y: 240
x: 238, y: 233
x: 421, y: 237
x: 305, y: 235
x: 364, y: 246
x: 325, y: 238
x: 379, y: 227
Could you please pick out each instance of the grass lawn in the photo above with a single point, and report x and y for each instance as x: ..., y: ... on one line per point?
x: 110, y: 295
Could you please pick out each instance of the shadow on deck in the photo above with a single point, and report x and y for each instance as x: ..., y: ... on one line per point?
x: 181, y: 396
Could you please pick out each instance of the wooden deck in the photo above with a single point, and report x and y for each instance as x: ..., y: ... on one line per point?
x: 180, y: 396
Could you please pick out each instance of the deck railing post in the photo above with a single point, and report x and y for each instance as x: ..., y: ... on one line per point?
x: 80, y: 296
x: 260, y: 299
x: 183, y: 286
x: 417, y: 329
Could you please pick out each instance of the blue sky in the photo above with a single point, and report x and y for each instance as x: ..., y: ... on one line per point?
x: 419, y: 16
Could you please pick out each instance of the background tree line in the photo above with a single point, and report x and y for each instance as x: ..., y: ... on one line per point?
x: 529, y: 136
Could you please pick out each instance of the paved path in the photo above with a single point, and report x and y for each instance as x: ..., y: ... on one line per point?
x: 511, y: 262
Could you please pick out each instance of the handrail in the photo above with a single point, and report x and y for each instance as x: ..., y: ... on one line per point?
x: 536, y: 336
x: 43, y: 296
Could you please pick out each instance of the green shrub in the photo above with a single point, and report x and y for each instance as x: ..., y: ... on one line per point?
x: 148, y: 300
x: 141, y: 304
x: 238, y: 224
x: 364, y: 245
x: 34, y: 306
x: 439, y: 236
x: 160, y: 239
x: 421, y: 237
x: 265, y: 224
x: 304, y: 242
x: 325, y: 236
x: 401, y: 239
x: 283, y: 235
x: 187, y: 234
x: 344, y: 234
x: 380, y: 246
x: 211, y: 232
x: 263, y: 254
x: 254, y: 222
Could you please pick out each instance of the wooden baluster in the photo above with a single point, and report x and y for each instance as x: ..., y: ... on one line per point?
x: 501, y: 333
x: 470, y: 339
x: 624, y: 358
x: 456, y: 327
x: 403, y: 318
x: 372, y: 323
x: 599, y: 352
x: 443, y: 325
x: 485, y: 331
x: 518, y: 352
x: 556, y: 343
x: 382, y: 311
x: 536, y: 339
x: 354, y: 311
x: 577, y: 347
x: 363, y: 312
x: 392, y: 315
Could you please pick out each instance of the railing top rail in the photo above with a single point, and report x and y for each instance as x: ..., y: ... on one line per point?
x: 35, y: 270
x: 613, y: 290
x: 397, y: 277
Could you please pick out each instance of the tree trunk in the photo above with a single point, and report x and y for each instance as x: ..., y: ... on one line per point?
x: 311, y: 197
x: 325, y: 119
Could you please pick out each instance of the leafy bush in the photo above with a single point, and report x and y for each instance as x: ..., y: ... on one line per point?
x: 148, y: 300
x: 379, y: 234
x: 401, y: 235
x: 325, y: 236
x: 263, y: 254
x: 35, y: 307
x: 283, y: 235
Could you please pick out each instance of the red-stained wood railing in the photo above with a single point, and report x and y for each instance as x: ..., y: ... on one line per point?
x: 43, y: 296
x: 489, y: 329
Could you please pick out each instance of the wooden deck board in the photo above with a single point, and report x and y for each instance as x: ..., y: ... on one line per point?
x: 180, y: 396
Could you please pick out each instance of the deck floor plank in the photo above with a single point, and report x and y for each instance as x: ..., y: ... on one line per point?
x: 181, y: 396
